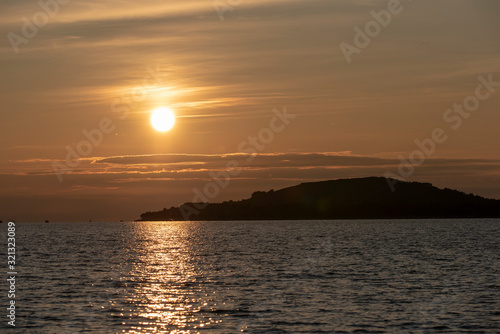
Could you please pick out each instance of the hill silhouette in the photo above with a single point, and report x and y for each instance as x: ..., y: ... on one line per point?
x: 360, y: 198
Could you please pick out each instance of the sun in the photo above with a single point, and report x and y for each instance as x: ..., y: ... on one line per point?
x: 162, y: 119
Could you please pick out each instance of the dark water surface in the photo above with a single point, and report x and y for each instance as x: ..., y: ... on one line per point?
x: 406, y: 276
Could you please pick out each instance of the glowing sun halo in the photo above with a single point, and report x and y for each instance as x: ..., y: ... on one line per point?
x: 162, y: 119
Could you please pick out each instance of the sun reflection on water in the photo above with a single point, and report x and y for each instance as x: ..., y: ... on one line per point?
x: 168, y: 293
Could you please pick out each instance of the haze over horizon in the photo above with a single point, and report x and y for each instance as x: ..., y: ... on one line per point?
x: 96, y: 71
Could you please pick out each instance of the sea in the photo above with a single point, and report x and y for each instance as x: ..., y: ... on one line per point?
x: 334, y: 276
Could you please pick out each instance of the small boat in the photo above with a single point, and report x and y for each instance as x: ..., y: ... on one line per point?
x: 46, y: 221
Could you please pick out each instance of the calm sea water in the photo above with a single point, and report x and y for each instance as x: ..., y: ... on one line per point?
x: 407, y: 276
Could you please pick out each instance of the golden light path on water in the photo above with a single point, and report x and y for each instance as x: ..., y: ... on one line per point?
x: 169, y: 296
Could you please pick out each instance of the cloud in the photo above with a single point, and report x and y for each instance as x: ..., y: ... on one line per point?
x: 131, y: 184
x: 288, y: 164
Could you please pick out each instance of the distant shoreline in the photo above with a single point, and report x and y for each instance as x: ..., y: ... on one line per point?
x: 345, y: 199
x: 246, y: 220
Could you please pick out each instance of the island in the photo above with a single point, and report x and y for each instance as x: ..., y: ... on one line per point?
x: 356, y: 198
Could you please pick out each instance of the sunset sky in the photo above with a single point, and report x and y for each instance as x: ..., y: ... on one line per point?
x: 113, y: 62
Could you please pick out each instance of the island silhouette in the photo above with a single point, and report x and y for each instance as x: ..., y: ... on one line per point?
x: 356, y: 198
